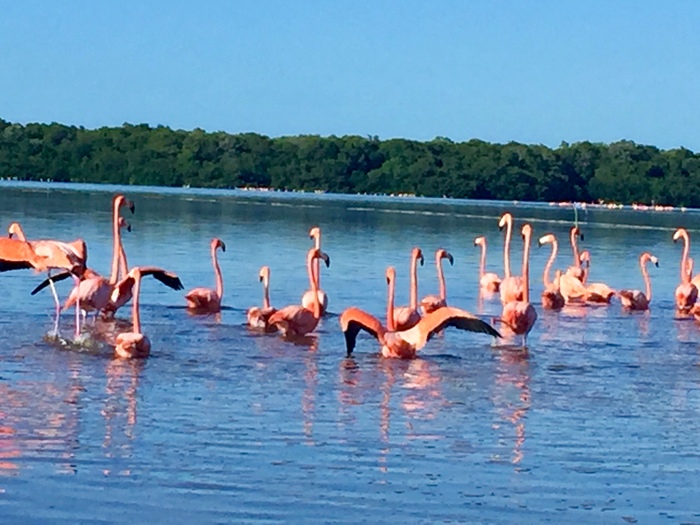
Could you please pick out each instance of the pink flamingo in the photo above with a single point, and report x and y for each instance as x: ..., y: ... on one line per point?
x: 296, y: 320
x: 489, y: 282
x: 406, y: 317
x: 307, y: 298
x: 575, y: 270
x: 520, y: 316
x: 599, y: 293
x: 430, y: 303
x: 404, y: 344
x: 569, y: 287
x: 686, y: 292
x: 511, y: 286
x: 206, y: 300
x: 635, y: 299
x: 260, y: 317
x: 133, y: 344
x: 552, y: 299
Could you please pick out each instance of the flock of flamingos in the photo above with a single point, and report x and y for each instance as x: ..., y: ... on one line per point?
x: 407, y: 329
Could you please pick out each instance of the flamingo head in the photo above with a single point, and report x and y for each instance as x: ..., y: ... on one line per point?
x: 679, y: 233
x: 526, y: 231
x: 417, y: 255
x: 480, y: 241
x: 120, y: 200
x: 264, y: 274
x: 218, y: 243
x: 646, y: 256
x: 390, y: 274
x: 576, y: 232
x: 14, y: 229
x: 546, y: 239
x: 506, y: 218
x: 585, y: 257
x: 444, y: 254
x: 316, y: 253
x: 315, y: 232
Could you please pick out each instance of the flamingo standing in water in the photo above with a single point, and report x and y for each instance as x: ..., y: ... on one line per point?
x: 19, y: 255
x: 297, y: 320
x: 686, y: 292
x: 635, y: 299
x: 552, y: 298
x: 404, y: 344
x: 575, y: 270
x: 569, y: 287
x: 307, y: 298
x: 520, y: 316
x: 133, y: 344
x: 206, y: 300
x: 406, y: 317
x: 489, y: 282
x: 430, y: 303
x: 512, y: 285
x: 260, y: 317
x: 599, y: 293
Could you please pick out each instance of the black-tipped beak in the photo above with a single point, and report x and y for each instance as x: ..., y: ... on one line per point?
x: 128, y: 228
x: 581, y: 235
x: 132, y: 207
x: 326, y: 259
x: 223, y: 246
x: 540, y: 243
x: 500, y: 228
x: 422, y: 260
x: 675, y: 240
x: 451, y: 259
x: 261, y: 278
x: 656, y: 264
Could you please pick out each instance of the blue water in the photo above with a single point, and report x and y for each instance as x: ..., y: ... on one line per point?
x: 597, y: 423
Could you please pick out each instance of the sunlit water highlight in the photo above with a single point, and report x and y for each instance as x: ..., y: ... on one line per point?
x: 598, y: 424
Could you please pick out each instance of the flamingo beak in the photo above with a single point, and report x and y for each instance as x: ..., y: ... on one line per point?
x: 421, y: 259
x: 223, y: 246
x: 451, y: 259
x: 128, y: 228
x: 132, y: 206
x: 325, y: 258
x: 581, y: 235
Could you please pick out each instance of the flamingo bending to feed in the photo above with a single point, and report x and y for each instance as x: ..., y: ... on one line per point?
x: 520, y: 316
x: 599, y: 293
x: 206, y: 300
x: 552, y: 298
x: 511, y: 287
x: 430, y: 303
x: 686, y: 292
x: 133, y: 344
x: 296, y: 320
x: 260, y: 317
x: 569, y: 287
x: 635, y: 299
x: 575, y: 270
x: 404, y: 344
x: 406, y: 317
x: 489, y: 282
x: 307, y: 298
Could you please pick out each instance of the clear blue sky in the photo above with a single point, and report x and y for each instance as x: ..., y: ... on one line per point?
x: 536, y: 71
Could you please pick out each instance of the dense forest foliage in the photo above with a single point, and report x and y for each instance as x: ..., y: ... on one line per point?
x: 622, y: 172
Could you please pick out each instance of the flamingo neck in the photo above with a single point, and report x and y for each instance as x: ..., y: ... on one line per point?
x: 441, y: 278
x: 506, y: 248
x: 116, y: 241
x: 123, y: 265
x: 482, y: 263
x: 317, y: 263
x: 645, y: 274
x: 584, y: 277
x: 135, y: 307
x: 414, y: 282
x: 313, y: 254
x: 526, y: 268
x: 685, y: 275
x: 266, y: 293
x: 17, y: 231
x: 217, y: 272
x: 550, y: 262
x: 390, y: 326
x: 574, y: 247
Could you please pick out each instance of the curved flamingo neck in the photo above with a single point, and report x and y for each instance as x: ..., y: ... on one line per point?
x: 123, y: 264
x: 550, y: 262
x: 313, y: 254
x: 135, y: 307
x: 441, y: 278
x: 217, y: 272
x: 266, y: 293
x: 506, y: 247
x: 390, y: 326
x: 526, y: 267
x: 647, y: 282
x: 117, y: 239
x: 317, y: 263
x: 482, y: 264
x: 414, y: 281
x: 685, y: 275
x: 574, y: 247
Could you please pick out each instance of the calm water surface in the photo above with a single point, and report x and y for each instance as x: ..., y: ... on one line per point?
x: 599, y: 423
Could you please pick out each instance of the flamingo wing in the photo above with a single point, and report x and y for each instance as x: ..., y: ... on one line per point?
x: 446, y: 317
x: 353, y: 320
x: 6, y: 266
x: 169, y: 279
x: 56, y: 278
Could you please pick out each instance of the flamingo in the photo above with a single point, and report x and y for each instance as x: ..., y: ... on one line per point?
x: 575, y: 270
x: 406, y: 317
x: 133, y: 344
x: 520, y: 316
x: 635, y: 299
x: 307, y: 298
x: 206, y: 300
x: 297, y: 320
x: 404, y: 344
x: 511, y: 286
x: 430, y: 303
x: 552, y: 298
x: 260, y: 317
x: 569, y: 287
x: 686, y: 292
x: 599, y: 293
x: 19, y: 255
x: 489, y: 282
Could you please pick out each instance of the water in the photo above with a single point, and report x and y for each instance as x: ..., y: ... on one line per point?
x: 598, y: 424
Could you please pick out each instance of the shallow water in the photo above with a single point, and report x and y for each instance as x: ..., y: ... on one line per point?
x: 598, y: 423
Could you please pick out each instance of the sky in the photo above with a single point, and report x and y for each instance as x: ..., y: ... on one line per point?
x: 537, y: 72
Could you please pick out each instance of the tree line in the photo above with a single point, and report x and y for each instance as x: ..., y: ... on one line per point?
x: 622, y: 172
